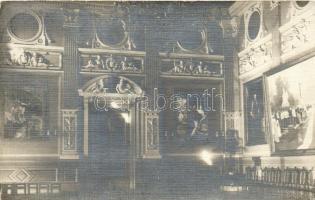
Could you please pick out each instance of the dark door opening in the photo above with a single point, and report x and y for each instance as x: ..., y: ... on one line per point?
x: 108, y: 141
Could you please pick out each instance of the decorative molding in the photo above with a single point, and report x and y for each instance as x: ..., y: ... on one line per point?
x: 240, y: 7
x: 69, y: 128
x: 21, y: 176
x: 38, y: 175
x: 34, y: 57
x: 274, y: 4
x: 71, y: 17
x: 125, y: 44
x: 214, y: 58
x: 203, y: 47
x: 257, y: 55
x: 230, y: 26
x: 232, y: 115
x: 233, y: 120
x: 112, y: 63
x: 40, y: 38
x: 298, y: 33
x: 119, y: 87
x: 22, y: 58
x: 258, y: 7
x: 296, y: 10
x: 152, y: 144
x: 192, y: 67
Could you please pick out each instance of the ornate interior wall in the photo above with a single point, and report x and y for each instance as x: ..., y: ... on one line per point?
x: 274, y: 43
x: 61, y: 58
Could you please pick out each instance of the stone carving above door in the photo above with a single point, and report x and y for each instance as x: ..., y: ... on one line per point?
x: 110, y: 85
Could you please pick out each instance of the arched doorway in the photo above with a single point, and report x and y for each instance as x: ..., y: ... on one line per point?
x: 111, y: 126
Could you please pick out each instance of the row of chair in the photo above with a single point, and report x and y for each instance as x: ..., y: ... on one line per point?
x: 296, y: 178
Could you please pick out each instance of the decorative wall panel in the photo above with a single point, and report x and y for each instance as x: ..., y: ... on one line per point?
x: 298, y: 34
x: 69, y: 118
x: 30, y: 57
x: 258, y: 55
x: 152, y: 135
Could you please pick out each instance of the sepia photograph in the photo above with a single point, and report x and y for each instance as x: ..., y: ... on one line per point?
x: 157, y: 100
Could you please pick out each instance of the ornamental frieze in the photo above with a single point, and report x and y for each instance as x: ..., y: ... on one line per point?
x: 297, y: 34
x: 20, y: 57
x: 112, y: 63
x: 256, y: 56
x: 192, y: 67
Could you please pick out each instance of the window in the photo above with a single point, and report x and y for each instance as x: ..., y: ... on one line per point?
x: 24, y: 26
x: 254, y: 24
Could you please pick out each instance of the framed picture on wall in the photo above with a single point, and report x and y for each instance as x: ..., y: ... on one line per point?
x: 255, y: 120
x: 291, y: 99
x: 23, y: 114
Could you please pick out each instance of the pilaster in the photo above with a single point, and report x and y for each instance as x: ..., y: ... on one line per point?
x: 231, y: 81
x: 152, y: 72
x: 70, y: 144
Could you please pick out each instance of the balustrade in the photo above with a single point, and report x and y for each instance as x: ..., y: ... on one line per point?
x: 294, y: 178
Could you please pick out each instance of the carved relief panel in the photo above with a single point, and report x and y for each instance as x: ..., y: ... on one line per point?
x: 112, y: 63
x: 69, y: 119
x: 258, y: 55
x: 152, y: 135
x: 299, y: 33
x: 192, y: 67
x: 298, y: 8
x: 21, y: 56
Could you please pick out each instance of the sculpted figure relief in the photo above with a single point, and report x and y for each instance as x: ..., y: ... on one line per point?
x: 28, y: 59
x: 192, y: 67
x: 112, y: 63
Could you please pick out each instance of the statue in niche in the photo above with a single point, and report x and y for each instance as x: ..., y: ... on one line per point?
x: 123, y: 87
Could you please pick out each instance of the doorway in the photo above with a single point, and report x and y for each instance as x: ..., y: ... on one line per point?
x: 109, y: 142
